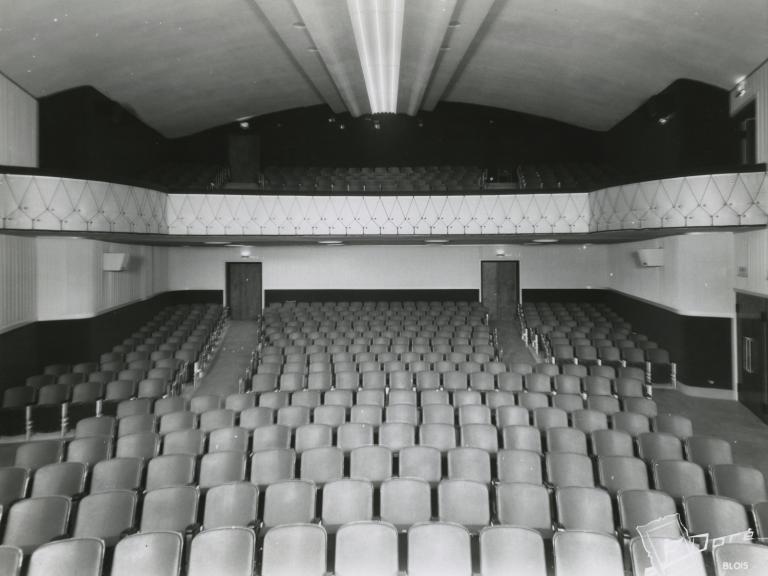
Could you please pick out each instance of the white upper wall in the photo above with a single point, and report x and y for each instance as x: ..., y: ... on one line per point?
x: 49, y: 278
x: 18, y: 126
x: 697, y: 278
x: 406, y: 267
x: 72, y: 284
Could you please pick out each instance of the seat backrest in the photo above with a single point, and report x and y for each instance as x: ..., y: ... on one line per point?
x: 372, y: 463
x: 524, y: 504
x: 506, y: 547
x: 289, y: 502
x: 59, y: 479
x: 566, y: 469
x: 751, y: 559
x: 232, y: 438
x: 622, y: 473
x: 421, y: 462
x: 170, y: 470
x: 270, y: 466
x: 679, y: 478
x: 105, y: 515
x: 674, y: 424
x: 346, y: 500
x: 566, y: 439
x: 221, y: 467
x: 34, y: 521
x: 116, y: 474
x: 673, y: 555
x: 294, y: 549
x: 271, y: 436
x: 81, y: 556
x: 463, y: 502
x: 203, y: 403
x: 220, y: 551
x: 153, y: 553
x: 631, y: 422
x: 405, y: 501
x: 469, y: 464
x: 745, y: 484
x: 234, y: 504
x: 518, y: 465
x: 173, y: 508
x: 611, y: 443
x: 35, y: 454
x: 136, y: 424
x: 10, y: 560
x: 708, y: 450
x: 640, y: 507
x: 580, y: 508
x: 659, y: 446
x: 587, y: 554
x: 369, y: 548
x: 14, y: 482
x: 439, y: 548
x: 717, y: 516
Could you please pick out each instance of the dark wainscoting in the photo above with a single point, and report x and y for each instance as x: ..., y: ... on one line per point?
x: 700, y: 345
x: 26, y: 350
x: 276, y: 296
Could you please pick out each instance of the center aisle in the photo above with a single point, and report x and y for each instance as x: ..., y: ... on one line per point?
x: 240, y: 339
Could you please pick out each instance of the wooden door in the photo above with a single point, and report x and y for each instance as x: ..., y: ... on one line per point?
x: 244, y: 290
x: 751, y: 330
x: 500, y: 288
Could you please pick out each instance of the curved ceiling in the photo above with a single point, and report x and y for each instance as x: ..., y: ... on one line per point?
x: 187, y: 66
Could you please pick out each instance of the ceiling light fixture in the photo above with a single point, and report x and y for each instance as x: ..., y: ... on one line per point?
x: 378, y: 29
x: 436, y: 241
x: 741, y: 89
x: 545, y: 240
x: 330, y: 242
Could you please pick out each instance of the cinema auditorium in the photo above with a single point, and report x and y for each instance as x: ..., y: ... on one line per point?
x: 383, y: 288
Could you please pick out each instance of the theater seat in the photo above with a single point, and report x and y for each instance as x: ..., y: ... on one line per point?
x: 156, y: 553
x: 225, y: 551
x: 81, y: 556
x: 290, y: 550
x: 439, y: 548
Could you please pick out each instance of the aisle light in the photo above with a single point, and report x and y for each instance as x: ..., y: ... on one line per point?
x: 378, y: 29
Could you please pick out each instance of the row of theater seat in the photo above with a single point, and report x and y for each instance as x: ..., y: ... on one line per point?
x: 401, y: 504
x: 590, y: 334
x: 373, y: 549
x: 149, y: 363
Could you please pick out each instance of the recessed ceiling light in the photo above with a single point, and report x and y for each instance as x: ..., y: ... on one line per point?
x: 545, y: 240
x: 216, y: 243
x: 330, y: 242
x: 436, y: 241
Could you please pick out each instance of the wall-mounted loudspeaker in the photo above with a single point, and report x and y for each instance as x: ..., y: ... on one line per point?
x: 115, y: 261
x: 651, y: 257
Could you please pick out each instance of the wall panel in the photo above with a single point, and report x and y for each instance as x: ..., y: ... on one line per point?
x: 18, y: 126
x: 18, y: 281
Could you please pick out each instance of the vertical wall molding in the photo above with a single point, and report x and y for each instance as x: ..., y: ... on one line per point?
x: 18, y: 126
x: 755, y: 88
x: 18, y: 281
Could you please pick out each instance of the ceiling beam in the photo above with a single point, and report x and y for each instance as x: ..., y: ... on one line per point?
x: 428, y: 23
x: 469, y: 15
x: 330, y: 27
x: 289, y: 29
